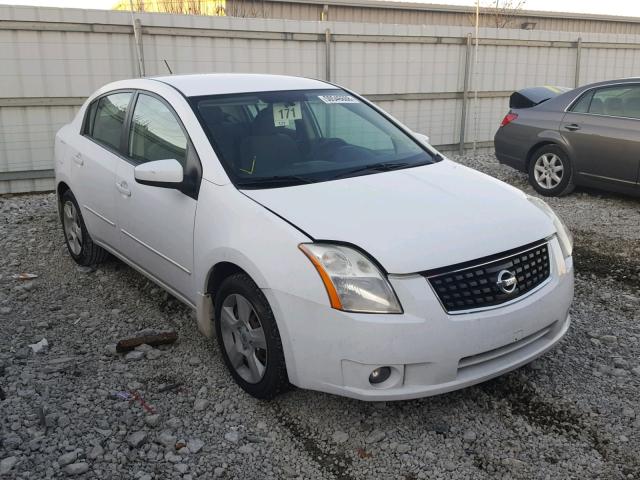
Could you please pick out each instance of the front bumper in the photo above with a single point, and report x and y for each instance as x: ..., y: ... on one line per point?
x: 428, y: 350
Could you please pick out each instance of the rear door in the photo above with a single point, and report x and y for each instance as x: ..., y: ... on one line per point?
x: 156, y: 223
x: 603, y: 131
x: 95, y: 159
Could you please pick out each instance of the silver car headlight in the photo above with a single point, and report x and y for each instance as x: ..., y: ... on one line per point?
x: 353, y: 282
x: 564, y: 235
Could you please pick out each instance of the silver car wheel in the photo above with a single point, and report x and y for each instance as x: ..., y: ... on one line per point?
x: 548, y: 170
x: 243, y: 338
x: 72, y: 229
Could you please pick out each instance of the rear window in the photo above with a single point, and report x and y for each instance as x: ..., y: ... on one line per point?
x: 107, y: 118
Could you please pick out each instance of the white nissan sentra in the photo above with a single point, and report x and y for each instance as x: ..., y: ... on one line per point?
x: 323, y: 243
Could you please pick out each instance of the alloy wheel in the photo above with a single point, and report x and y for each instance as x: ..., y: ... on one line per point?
x: 548, y: 170
x: 243, y: 338
x: 72, y: 229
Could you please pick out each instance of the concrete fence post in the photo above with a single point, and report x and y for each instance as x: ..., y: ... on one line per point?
x: 137, y: 35
x: 327, y: 54
x: 578, y: 58
x: 465, y: 94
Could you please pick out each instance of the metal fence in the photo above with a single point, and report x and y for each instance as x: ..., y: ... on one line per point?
x: 53, y: 58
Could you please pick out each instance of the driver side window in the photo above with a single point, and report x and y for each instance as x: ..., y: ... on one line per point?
x: 156, y: 133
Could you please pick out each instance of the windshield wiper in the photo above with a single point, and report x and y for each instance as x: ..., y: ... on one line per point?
x: 376, y: 167
x: 275, y: 181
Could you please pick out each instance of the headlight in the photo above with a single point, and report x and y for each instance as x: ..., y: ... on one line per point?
x: 564, y: 235
x: 354, y: 283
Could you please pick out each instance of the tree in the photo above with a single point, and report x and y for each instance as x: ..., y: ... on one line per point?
x: 499, y: 13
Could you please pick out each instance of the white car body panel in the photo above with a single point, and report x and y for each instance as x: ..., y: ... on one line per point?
x: 408, y: 220
x: 393, y: 216
x: 156, y: 230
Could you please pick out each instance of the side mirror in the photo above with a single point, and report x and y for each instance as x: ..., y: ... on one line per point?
x: 422, y: 138
x: 160, y: 173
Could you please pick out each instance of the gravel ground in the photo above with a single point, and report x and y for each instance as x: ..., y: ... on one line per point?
x: 575, y: 413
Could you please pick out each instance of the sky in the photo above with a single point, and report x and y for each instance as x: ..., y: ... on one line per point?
x: 610, y: 7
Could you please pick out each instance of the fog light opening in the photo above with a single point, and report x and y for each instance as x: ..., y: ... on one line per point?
x: 379, y: 375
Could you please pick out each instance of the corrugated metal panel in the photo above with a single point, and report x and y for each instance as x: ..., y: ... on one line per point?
x: 369, y: 12
x: 414, y: 71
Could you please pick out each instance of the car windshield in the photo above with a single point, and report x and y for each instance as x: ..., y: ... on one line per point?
x: 283, y: 138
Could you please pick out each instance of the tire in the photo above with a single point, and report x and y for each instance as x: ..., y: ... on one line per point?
x: 261, y: 372
x: 77, y: 238
x: 547, y: 164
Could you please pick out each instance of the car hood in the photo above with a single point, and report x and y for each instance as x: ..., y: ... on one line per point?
x: 413, y: 219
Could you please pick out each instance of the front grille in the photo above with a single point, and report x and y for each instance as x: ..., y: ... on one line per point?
x: 474, y: 284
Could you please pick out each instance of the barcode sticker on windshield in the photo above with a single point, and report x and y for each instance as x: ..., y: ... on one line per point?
x: 338, y: 99
x: 285, y: 113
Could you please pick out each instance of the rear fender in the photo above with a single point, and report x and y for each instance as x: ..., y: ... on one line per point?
x: 548, y: 137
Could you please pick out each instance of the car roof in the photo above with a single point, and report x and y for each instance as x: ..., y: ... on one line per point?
x: 223, y: 83
x: 611, y: 82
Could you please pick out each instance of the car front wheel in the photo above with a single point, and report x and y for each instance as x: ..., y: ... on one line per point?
x: 248, y: 338
x: 550, y: 172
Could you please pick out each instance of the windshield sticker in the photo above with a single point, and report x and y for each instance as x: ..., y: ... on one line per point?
x: 285, y: 113
x: 338, y: 99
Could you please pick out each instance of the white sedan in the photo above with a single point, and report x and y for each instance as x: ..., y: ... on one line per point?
x: 325, y: 244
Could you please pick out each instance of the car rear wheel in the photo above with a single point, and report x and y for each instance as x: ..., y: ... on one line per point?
x: 248, y: 338
x: 550, y: 171
x: 79, y: 242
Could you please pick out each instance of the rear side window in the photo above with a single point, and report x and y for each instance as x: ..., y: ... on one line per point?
x: 107, y: 117
x: 156, y: 133
x: 582, y: 105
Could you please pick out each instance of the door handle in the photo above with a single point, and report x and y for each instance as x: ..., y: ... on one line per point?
x: 123, y: 188
x: 572, y: 127
x: 78, y: 160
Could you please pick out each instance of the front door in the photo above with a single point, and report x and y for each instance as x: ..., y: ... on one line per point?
x: 603, y: 130
x: 156, y: 223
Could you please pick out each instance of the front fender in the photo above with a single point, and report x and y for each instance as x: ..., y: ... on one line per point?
x: 231, y: 227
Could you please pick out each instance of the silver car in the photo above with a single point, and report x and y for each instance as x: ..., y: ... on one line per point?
x: 587, y: 136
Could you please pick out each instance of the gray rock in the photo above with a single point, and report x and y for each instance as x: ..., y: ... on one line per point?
x: 110, y: 350
x: 134, y: 356
x: 63, y: 421
x: 76, y: 468
x: 181, y: 467
x: 172, y: 457
x: 375, y: 436
x: 469, y: 436
x: 246, y: 449
x: 152, y: 420
x: 153, y: 354
x: 174, y: 422
x: 218, y: 472
x: 339, y: 437
x: 609, y: 339
x: 193, y: 361
x: 96, y: 452
x: 628, y: 412
x: 144, y: 348
x: 137, y: 439
x: 200, y: 404
x: 68, y: 458
x: 167, y: 439
x: 233, y: 436
x: 12, y: 441
x: 7, y: 464
x: 195, y: 445
x: 403, y: 448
